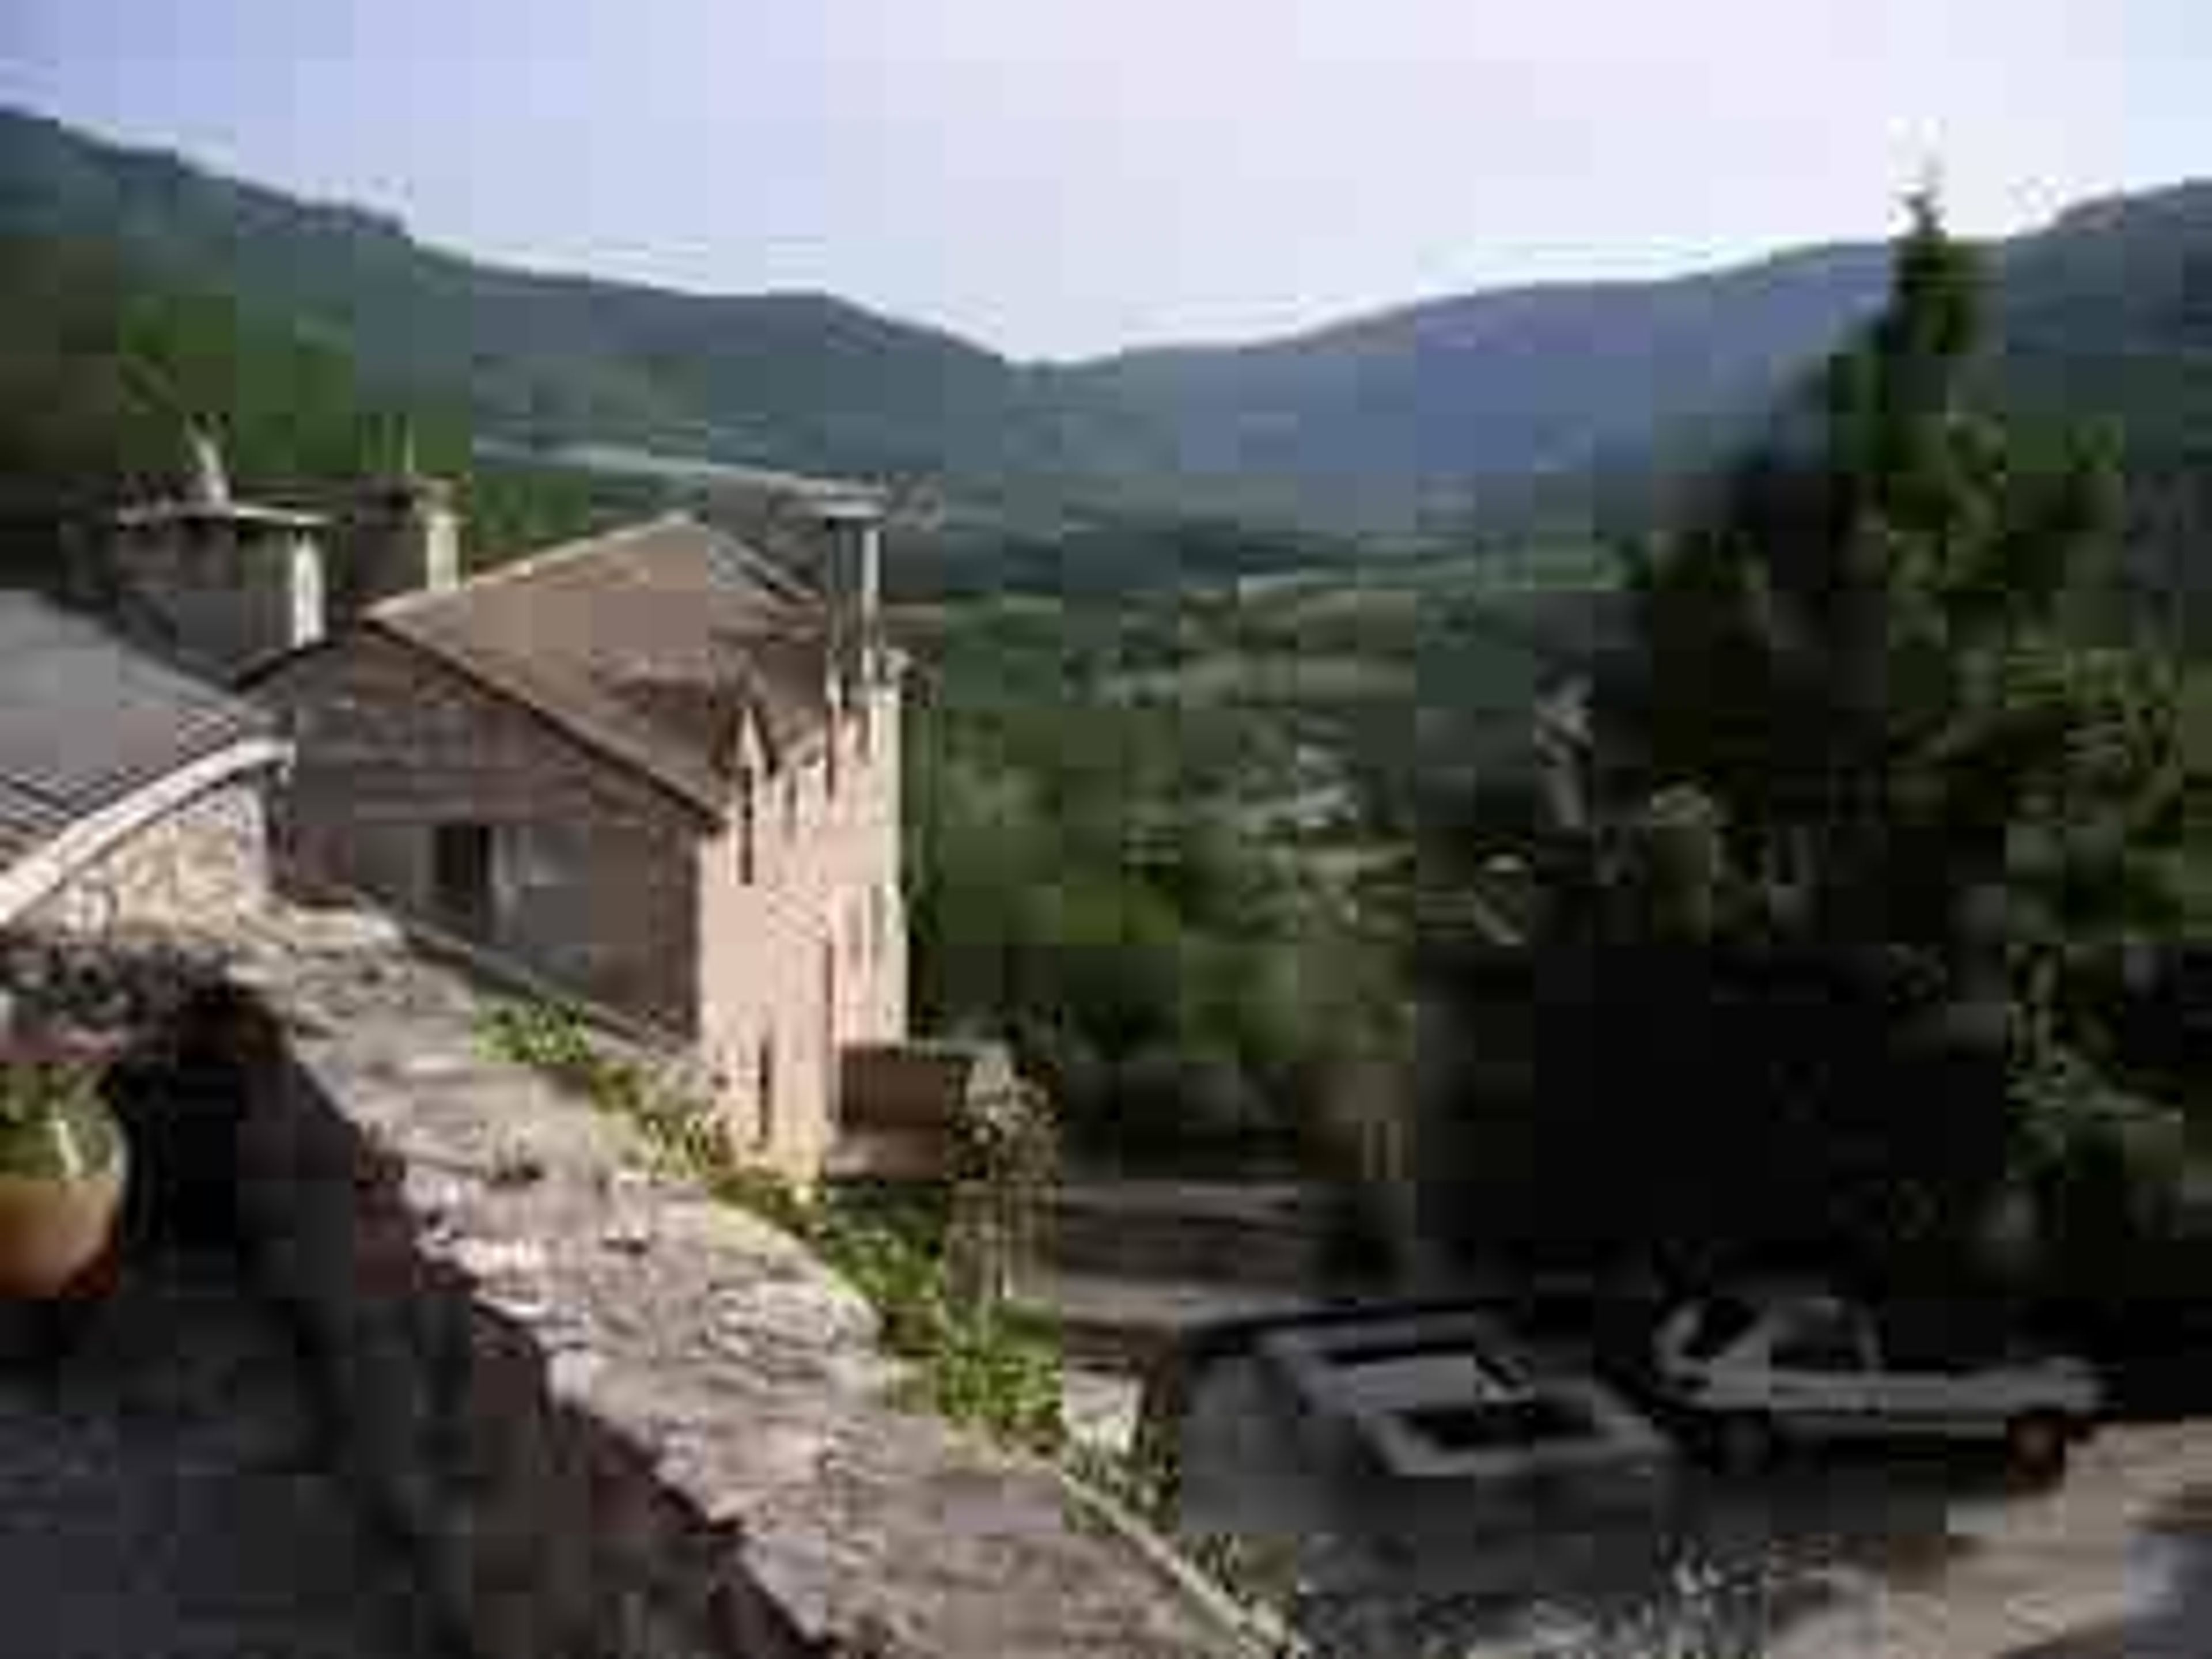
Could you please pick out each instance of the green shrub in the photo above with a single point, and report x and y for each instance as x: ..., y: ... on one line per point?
x: 978, y: 1365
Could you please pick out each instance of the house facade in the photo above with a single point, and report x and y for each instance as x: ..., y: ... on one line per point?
x: 653, y: 770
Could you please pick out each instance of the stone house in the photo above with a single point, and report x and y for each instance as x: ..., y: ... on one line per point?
x: 131, y: 795
x: 655, y: 770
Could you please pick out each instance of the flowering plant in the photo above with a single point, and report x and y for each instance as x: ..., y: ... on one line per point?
x: 53, y: 1120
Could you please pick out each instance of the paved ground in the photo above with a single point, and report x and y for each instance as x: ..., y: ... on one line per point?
x: 164, y: 1496
x: 1871, y: 1557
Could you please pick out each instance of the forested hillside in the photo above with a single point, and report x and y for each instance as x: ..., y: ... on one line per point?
x: 791, y: 380
x: 2106, y: 318
x: 1377, y: 423
x: 1429, y: 406
x: 1485, y: 413
x: 101, y: 366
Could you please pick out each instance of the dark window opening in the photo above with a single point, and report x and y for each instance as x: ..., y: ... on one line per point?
x: 829, y: 1026
x: 461, y: 875
x: 748, y: 852
x: 1719, y: 1324
x: 1819, y: 1342
x: 764, y: 1092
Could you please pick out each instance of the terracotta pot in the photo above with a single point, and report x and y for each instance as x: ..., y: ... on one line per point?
x: 62, y: 1168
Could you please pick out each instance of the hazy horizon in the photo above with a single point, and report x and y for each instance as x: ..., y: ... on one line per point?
x: 1052, y: 184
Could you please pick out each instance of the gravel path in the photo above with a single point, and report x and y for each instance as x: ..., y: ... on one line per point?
x: 164, y: 1495
x: 1866, y: 1556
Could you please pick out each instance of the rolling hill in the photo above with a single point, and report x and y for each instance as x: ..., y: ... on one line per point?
x: 1353, y: 422
x: 1422, y: 413
x: 102, y: 363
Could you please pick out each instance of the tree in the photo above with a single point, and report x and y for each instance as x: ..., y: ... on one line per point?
x: 1861, y: 791
x: 1861, y: 646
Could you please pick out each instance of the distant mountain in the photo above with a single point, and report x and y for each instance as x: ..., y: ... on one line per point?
x: 2105, y: 317
x: 783, y: 379
x: 1422, y: 413
x: 1437, y: 398
x: 1375, y: 412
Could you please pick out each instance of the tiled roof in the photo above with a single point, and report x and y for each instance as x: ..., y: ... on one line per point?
x: 648, y: 643
x: 85, y: 721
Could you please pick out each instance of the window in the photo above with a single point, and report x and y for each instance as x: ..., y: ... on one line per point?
x: 461, y: 857
x: 1717, y: 1325
x: 829, y: 1026
x: 1819, y: 1340
x: 764, y: 1092
x: 748, y: 849
x: 1950, y: 1340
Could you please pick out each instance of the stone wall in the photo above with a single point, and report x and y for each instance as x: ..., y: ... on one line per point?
x: 193, y: 867
x: 595, y: 870
x: 613, y: 1418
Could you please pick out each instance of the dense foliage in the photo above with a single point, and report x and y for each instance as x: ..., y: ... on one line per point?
x: 1855, y: 808
x: 102, y: 365
x: 1077, y: 886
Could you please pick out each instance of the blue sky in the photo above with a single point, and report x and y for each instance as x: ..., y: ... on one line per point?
x: 1061, y: 177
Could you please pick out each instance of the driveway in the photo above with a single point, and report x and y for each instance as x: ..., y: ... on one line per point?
x: 1867, y: 1557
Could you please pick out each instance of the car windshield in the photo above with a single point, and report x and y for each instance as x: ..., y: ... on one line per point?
x: 1716, y: 1324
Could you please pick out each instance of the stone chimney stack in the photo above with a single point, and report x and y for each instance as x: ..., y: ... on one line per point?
x: 209, y: 485
x: 214, y: 583
x: 403, y: 536
x: 853, y: 528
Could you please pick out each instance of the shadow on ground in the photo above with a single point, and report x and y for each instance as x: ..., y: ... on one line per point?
x: 165, y: 1487
x: 2178, y: 1625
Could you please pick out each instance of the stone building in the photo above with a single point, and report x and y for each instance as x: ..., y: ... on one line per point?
x: 652, y: 769
x: 131, y: 795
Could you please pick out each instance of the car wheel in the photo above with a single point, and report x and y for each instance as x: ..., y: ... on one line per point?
x: 1745, y: 1442
x: 2038, y: 1443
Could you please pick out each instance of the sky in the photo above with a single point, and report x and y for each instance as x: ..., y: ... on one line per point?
x: 1063, y: 177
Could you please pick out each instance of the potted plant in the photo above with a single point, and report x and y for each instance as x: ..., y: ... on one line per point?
x: 63, y: 1165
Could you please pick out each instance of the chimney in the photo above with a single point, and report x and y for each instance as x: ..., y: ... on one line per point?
x: 217, y: 584
x: 403, y: 536
x: 853, y: 527
x: 208, y: 484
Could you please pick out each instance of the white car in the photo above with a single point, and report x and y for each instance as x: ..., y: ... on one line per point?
x: 1761, y: 1367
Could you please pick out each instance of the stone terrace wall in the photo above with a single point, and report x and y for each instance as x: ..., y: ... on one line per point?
x: 614, y: 1419
x: 203, y: 861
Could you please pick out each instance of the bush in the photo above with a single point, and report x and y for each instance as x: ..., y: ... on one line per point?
x: 977, y: 1364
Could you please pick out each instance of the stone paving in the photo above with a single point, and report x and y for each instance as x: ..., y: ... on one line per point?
x: 1863, y: 1556
x: 164, y: 1493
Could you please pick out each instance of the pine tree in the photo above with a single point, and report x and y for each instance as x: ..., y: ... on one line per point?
x: 1864, y: 649
x: 1864, y: 791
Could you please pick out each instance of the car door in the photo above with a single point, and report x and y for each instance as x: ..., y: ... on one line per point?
x: 1937, y: 1375
x: 1820, y: 1372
